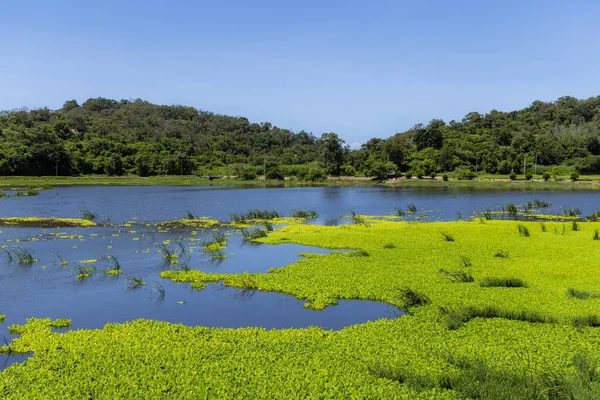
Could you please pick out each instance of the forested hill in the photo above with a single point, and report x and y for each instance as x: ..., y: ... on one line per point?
x: 103, y: 136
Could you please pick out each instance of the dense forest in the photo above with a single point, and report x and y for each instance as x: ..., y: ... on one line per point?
x: 103, y: 136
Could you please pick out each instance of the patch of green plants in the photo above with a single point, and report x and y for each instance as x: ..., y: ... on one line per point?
x: 305, y: 214
x: 582, y: 294
x: 253, y: 234
x: 457, y: 276
x: 399, y: 212
x: 455, y: 319
x: 523, y: 230
x: 115, y: 265
x: 411, y: 298
x: 24, y: 255
x: 411, y: 208
x: 87, y: 214
x: 501, y: 254
x: 510, y: 209
x: 82, y: 271
x: 447, y: 237
x: 134, y: 282
x: 590, y: 320
x: 572, y: 212
x: 389, y: 245
x: 503, y: 282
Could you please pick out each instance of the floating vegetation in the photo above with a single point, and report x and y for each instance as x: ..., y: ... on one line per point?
x: 61, y: 260
x: 60, y: 323
x: 83, y: 272
x: 503, y: 282
x: 134, y: 282
x: 257, y: 214
x: 254, y: 233
x: 115, y: 268
x: 523, y: 230
x: 23, y: 255
x: 27, y: 193
x: 238, y: 218
x: 167, y: 251
x: 87, y: 214
x: 411, y: 208
x: 45, y: 222
x: 457, y: 276
x: 268, y: 226
x: 360, y: 253
x: 3, y: 195
x: 447, y: 237
x: 305, y: 214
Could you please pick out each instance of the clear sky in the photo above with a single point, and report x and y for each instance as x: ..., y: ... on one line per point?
x: 361, y: 69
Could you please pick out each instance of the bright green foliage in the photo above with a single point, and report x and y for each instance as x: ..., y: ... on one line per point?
x: 2, y: 317
x: 459, y: 340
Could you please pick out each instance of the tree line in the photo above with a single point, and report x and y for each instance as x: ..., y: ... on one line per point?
x: 104, y: 136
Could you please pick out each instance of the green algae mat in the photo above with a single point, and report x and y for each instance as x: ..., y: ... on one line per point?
x: 495, y: 310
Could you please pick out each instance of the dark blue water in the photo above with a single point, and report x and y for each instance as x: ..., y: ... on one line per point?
x: 159, y: 203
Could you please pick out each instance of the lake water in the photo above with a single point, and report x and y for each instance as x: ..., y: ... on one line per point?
x: 49, y: 289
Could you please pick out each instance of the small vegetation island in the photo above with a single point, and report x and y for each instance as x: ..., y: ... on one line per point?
x: 546, y: 141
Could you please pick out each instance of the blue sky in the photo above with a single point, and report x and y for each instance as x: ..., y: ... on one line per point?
x: 360, y: 69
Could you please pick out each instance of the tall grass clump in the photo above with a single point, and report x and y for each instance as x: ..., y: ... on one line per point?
x: 268, y: 226
x: 87, y: 214
x: 596, y: 235
x: 7, y: 255
x: 160, y: 292
x: 457, y: 276
x: 411, y: 298
x: 238, y: 218
x: 167, y: 252
x: 305, y: 214
x: 357, y: 219
x: 465, y: 262
x: 255, y: 233
x: 582, y: 294
x: 590, y: 320
x: 572, y: 212
x: 411, y: 208
x: 501, y: 254
x: 389, y: 246
x: 399, y: 212
x: 134, y: 282
x: 447, y: 237
x: 115, y: 268
x: 83, y: 272
x: 261, y: 214
x: 187, y: 214
x: 543, y: 226
x: 454, y: 319
x: 510, y: 209
x: 523, y: 231
x: 502, y: 282
x: 487, y: 214
x: 574, y: 226
x: 24, y: 256
x: 3, y: 195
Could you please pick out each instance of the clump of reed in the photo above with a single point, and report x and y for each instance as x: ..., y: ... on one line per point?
x: 134, y: 282
x: 574, y: 226
x: 238, y: 218
x: 360, y: 253
x: 268, y: 226
x: 389, y: 246
x: 537, y: 203
x: 582, y: 294
x: 411, y: 208
x: 7, y: 255
x: 465, y: 262
x: 457, y: 276
x: 454, y: 319
x: 187, y: 214
x: 510, y: 209
x: 487, y: 214
x: 399, y: 212
x: 261, y: 214
x: 306, y: 214
x: 572, y: 212
x: 412, y: 298
x: 159, y: 291
x: 83, y: 272
x: 447, y: 237
x: 503, y: 282
x: 501, y: 254
x: 115, y: 267
x: 590, y: 320
x: 596, y: 235
x: 23, y: 255
x: 87, y: 214
x: 29, y: 192
x: 543, y: 226
x: 254, y: 233
x: 357, y: 219
x: 3, y: 195
x: 523, y: 230
x: 167, y: 251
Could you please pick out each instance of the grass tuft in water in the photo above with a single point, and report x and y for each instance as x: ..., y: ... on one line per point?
x: 503, y: 282
x: 306, y: 214
x: 24, y: 256
x: 411, y: 298
x: 238, y: 218
x: 87, y: 214
x: 159, y: 291
x: 572, y: 212
x: 254, y: 233
x: 83, y: 272
x: 411, y: 208
x: 115, y: 268
x: 134, y: 282
x: 357, y: 219
x: 7, y: 255
x: 187, y: 214
x: 399, y: 212
x: 167, y: 251
x: 510, y: 209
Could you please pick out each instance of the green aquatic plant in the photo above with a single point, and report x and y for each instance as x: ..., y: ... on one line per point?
x: 2, y: 318
x: 357, y: 219
x: 187, y: 214
x: 523, y: 230
x: 582, y: 294
x: 159, y: 291
x: 268, y: 226
x: 23, y: 255
x: 411, y: 208
x: 596, y: 235
x: 465, y: 262
x: 510, y: 209
x: 487, y: 214
x: 238, y: 218
x: 3, y: 195
x: 572, y: 212
x: 167, y: 251
x: 29, y: 192
x: 454, y: 319
x: 7, y: 255
x: 574, y: 226
x: 503, y: 282
x: 501, y: 254
x: 411, y: 298
x: 115, y: 268
x: 590, y: 320
x: 304, y: 214
x: 83, y: 272
x: 447, y: 237
x: 134, y: 282
x: 60, y: 323
x: 457, y: 276
x: 389, y: 245
x: 257, y: 214
x: 87, y: 214
x: 360, y: 253
x: 254, y: 233
x: 399, y: 212
x: 61, y: 260
x: 543, y: 226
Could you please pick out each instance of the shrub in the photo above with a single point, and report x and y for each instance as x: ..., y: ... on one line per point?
x: 315, y: 174
x: 574, y: 176
x: 408, y: 175
x: 419, y: 174
x: 410, y: 298
x: 274, y: 173
x: 513, y: 176
x: 528, y: 176
x: 248, y: 173
x: 432, y: 175
x: 546, y: 175
x: 445, y: 177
